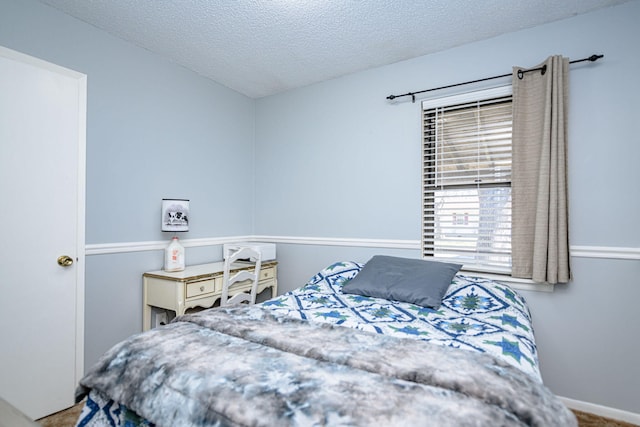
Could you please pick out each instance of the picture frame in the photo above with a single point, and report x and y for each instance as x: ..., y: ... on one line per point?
x: 175, y: 215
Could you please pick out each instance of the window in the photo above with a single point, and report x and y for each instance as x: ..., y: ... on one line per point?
x: 467, y: 180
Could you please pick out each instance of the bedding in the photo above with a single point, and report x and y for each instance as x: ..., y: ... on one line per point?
x: 269, y: 365
x: 476, y: 314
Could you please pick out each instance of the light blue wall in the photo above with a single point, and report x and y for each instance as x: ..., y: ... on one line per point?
x: 154, y: 130
x: 336, y: 159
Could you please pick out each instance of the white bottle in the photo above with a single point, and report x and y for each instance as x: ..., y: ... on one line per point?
x: 174, y: 256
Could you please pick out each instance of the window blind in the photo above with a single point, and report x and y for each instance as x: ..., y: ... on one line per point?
x: 467, y: 183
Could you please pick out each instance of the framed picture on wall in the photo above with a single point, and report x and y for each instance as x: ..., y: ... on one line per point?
x: 175, y: 215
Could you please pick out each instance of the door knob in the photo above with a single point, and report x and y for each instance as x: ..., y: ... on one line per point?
x: 65, y: 260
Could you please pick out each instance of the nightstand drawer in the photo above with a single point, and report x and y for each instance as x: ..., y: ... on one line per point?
x: 195, y: 289
x: 267, y: 273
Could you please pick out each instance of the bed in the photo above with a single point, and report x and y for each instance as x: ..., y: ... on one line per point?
x: 324, y: 355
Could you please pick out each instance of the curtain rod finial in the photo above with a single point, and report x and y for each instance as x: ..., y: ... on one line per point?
x: 594, y: 58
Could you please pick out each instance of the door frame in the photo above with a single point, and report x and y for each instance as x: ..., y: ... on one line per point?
x: 81, y: 144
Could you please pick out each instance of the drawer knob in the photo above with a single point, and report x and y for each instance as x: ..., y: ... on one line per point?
x: 201, y: 288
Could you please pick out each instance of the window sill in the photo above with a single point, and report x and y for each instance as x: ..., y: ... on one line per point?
x: 517, y: 284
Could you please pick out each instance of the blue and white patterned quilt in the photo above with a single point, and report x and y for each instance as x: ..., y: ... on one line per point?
x: 476, y: 314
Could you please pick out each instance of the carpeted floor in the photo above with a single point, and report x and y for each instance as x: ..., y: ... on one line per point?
x: 66, y: 418
x: 589, y: 420
x: 69, y: 417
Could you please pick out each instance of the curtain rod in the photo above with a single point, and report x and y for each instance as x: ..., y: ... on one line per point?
x: 592, y: 58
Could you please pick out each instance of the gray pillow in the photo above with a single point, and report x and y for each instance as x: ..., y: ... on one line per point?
x: 415, y: 281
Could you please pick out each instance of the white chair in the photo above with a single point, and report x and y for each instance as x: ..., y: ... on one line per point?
x: 231, y: 256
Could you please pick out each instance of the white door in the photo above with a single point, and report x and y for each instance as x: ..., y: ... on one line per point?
x: 42, y: 167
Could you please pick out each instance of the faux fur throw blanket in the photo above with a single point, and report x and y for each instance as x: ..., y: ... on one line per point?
x: 243, y: 366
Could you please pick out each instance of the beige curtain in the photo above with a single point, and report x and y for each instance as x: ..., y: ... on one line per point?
x: 540, y: 229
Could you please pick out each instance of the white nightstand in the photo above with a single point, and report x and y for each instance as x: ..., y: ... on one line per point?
x: 196, y: 286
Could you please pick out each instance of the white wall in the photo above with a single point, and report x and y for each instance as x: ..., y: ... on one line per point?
x: 337, y: 159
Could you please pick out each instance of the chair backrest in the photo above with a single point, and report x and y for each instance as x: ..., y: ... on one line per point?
x: 231, y: 256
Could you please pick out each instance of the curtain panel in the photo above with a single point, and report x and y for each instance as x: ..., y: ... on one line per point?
x: 540, y: 225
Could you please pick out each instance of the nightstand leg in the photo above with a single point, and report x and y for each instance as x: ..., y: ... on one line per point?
x: 146, y: 317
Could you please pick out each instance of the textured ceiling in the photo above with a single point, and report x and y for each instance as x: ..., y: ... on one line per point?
x: 262, y: 47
